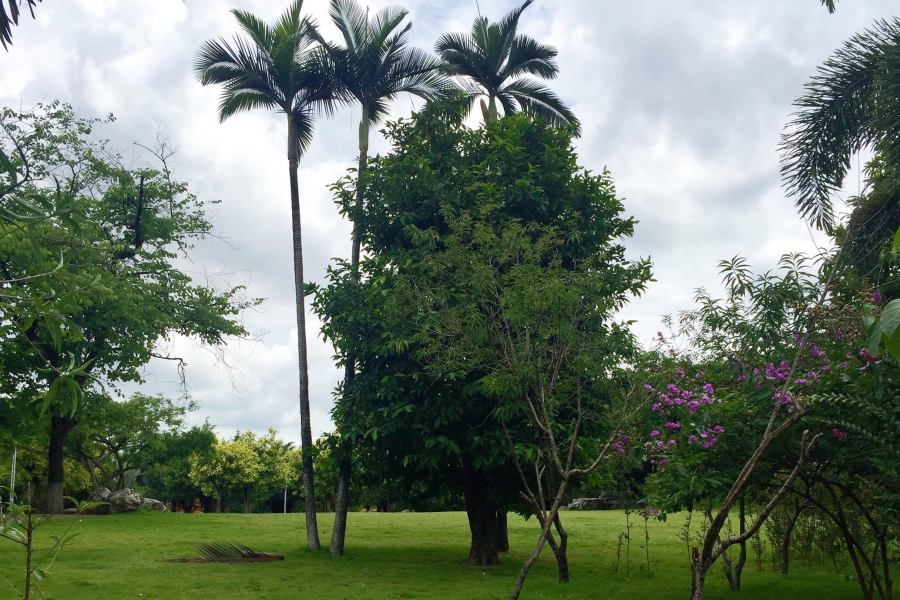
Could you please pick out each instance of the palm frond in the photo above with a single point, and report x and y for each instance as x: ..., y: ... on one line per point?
x: 461, y: 55
x: 290, y: 23
x: 242, y: 70
x: 229, y: 552
x: 305, y: 124
x: 527, y: 56
x: 385, y: 22
x: 836, y: 119
x: 243, y: 100
x: 508, y: 26
x: 508, y: 102
x: 538, y: 100
x: 351, y: 20
x: 258, y: 30
x: 8, y: 20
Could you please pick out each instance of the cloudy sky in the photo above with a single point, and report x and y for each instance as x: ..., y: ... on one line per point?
x: 682, y: 101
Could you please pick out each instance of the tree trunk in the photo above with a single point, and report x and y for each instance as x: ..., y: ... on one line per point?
x: 526, y: 566
x: 562, y: 561
x: 29, y: 549
x: 345, y: 465
x: 312, y: 528
x: 742, y: 557
x: 492, y: 109
x: 482, y: 521
x: 786, y: 542
x: 698, y: 578
x: 503, y: 531
x: 59, y: 429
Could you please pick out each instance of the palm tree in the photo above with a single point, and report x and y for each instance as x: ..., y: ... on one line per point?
x: 494, y: 57
x: 851, y: 104
x: 372, y: 66
x: 279, y: 68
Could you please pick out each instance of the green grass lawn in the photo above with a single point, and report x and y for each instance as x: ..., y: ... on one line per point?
x: 406, y: 555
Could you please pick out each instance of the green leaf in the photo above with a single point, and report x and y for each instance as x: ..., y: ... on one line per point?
x: 875, y: 340
x: 892, y: 344
x: 51, y: 394
x: 9, y: 167
x: 896, y: 245
x: 890, y: 317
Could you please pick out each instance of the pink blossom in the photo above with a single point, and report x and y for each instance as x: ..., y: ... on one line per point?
x: 654, y: 433
x: 692, y: 439
x: 679, y: 373
x: 671, y: 425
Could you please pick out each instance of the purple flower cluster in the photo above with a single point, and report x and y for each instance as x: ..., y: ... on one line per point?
x: 621, y: 443
x: 672, y: 400
x: 779, y: 373
x: 676, y: 397
x: 838, y: 433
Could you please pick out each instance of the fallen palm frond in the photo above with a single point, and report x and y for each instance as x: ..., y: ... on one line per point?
x: 229, y: 553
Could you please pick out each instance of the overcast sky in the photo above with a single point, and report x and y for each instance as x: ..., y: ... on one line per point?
x: 682, y: 101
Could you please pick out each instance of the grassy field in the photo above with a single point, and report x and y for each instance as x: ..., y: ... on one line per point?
x: 408, y: 555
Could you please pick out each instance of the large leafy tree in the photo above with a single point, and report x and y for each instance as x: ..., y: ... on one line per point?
x: 851, y: 104
x: 124, y: 229
x: 278, y: 68
x: 372, y: 67
x: 495, y: 57
x: 112, y: 437
x: 405, y: 421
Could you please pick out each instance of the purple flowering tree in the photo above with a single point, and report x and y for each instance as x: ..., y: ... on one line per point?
x: 726, y: 386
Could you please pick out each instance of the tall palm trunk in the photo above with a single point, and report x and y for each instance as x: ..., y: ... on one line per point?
x: 345, y: 464
x: 312, y: 528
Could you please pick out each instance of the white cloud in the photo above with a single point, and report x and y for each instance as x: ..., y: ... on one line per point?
x: 684, y: 102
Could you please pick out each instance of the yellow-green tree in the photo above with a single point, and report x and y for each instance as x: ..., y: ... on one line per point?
x: 232, y: 466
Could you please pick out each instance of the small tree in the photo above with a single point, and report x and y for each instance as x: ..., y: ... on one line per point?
x: 232, y: 467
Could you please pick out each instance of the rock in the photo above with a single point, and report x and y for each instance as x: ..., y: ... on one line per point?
x: 70, y: 511
x: 101, y: 495
x: 606, y: 501
x: 125, y: 500
x: 154, y: 504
